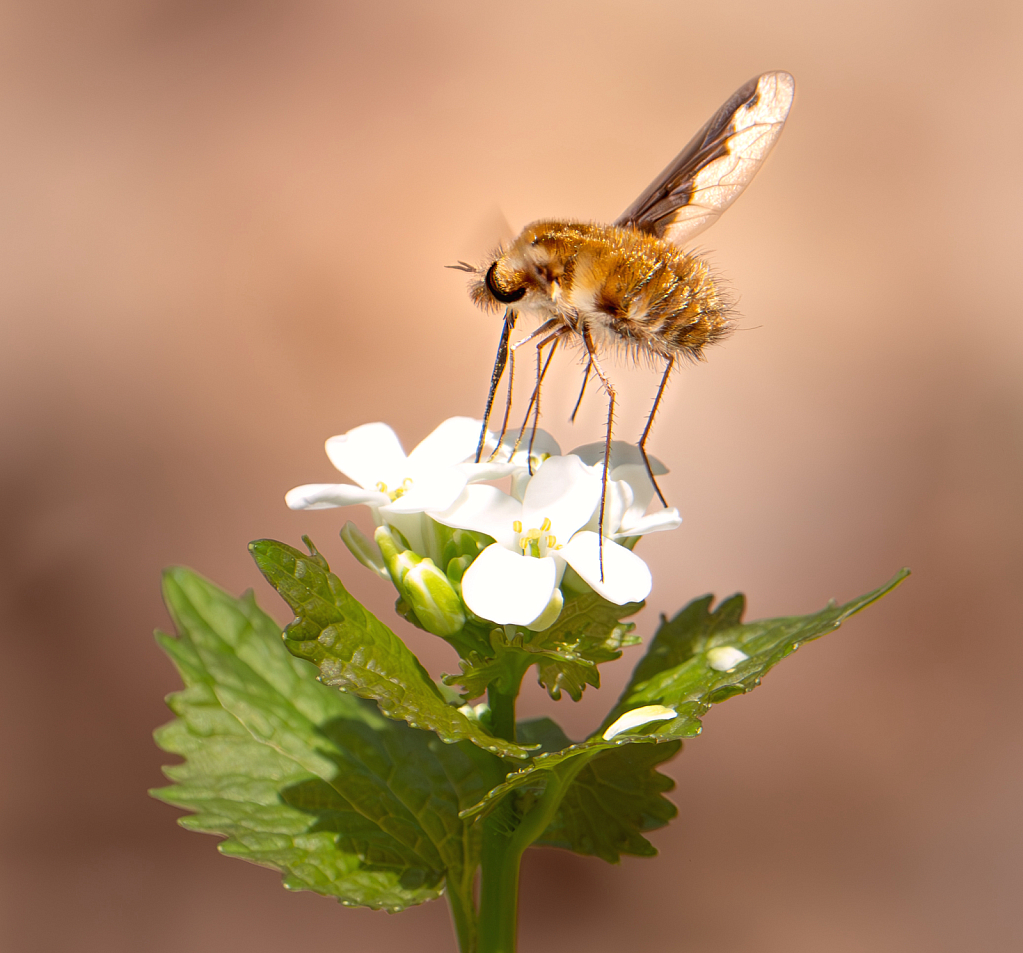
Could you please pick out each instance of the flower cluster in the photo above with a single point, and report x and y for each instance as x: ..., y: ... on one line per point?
x: 450, y: 540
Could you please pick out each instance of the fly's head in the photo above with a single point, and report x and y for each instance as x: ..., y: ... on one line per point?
x: 529, y: 275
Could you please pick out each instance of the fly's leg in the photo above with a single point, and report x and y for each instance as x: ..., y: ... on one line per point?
x: 650, y: 423
x: 506, y: 354
x: 599, y: 371
x: 541, y: 370
x: 495, y: 378
x: 507, y: 404
x: 582, y: 390
x: 540, y: 374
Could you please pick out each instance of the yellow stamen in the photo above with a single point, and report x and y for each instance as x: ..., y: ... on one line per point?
x: 517, y: 526
x: 545, y: 525
x: 401, y: 491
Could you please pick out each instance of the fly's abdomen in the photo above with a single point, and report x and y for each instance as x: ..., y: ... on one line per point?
x: 647, y: 295
x: 694, y: 313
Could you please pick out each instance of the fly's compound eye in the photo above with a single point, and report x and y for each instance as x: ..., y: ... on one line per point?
x: 505, y: 297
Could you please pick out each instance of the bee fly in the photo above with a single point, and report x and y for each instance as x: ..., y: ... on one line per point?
x: 630, y: 286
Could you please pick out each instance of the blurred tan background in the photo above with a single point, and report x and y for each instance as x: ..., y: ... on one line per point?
x: 223, y: 227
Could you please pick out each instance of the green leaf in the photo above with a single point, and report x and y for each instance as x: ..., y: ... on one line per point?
x: 356, y: 652
x: 676, y: 674
x: 588, y: 631
x: 300, y: 778
x: 616, y: 797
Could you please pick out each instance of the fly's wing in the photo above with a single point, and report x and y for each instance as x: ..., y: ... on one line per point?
x: 710, y: 172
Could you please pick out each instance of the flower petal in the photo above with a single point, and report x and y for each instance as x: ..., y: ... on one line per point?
x: 642, y: 489
x: 321, y: 496
x: 638, y: 717
x: 479, y: 472
x: 656, y: 522
x: 483, y: 509
x: 622, y: 454
x: 452, y: 442
x: 724, y: 658
x: 431, y: 490
x: 616, y: 504
x: 369, y: 454
x: 506, y: 588
x: 626, y: 576
x: 411, y: 526
x: 565, y: 491
x: 540, y: 445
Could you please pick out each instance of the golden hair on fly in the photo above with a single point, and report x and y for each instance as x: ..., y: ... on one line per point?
x: 635, y: 292
x: 630, y: 286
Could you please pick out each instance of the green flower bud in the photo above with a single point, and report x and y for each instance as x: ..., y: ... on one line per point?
x: 456, y: 567
x: 462, y: 543
x: 434, y: 600
x: 436, y: 603
x: 364, y: 549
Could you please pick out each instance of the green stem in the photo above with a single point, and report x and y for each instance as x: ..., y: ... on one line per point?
x: 504, y: 843
x: 502, y: 712
x: 463, y: 920
x: 499, y: 862
x: 499, y: 883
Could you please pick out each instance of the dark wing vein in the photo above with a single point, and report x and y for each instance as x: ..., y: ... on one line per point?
x: 717, y: 164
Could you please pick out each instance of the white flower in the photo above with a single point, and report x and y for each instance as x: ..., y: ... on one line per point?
x: 520, y: 464
x: 630, y: 491
x: 513, y: 580
x: 388, y: 480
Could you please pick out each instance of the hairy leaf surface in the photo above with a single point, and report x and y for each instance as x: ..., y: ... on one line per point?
x: 356, y: 652
x: 616, y: 797
x: 677, y: 673
x: 301, y: 778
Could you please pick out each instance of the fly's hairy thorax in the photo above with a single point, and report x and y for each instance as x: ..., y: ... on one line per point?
x: 627, y: 288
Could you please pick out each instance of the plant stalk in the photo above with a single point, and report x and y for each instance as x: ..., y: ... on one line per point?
x: 499, y: 861
x: 463, y: 920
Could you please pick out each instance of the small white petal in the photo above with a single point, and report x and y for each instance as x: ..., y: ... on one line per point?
x: 507, y: 588
x: 478, y: 472
x: 483, y: 509
x: 725, y: 657
x: 435, y: 490
x: 616, y: 504
x: 369, y: 454
x: 321, y: 496
x: 549, y: 616
x: 622, y: 454
x: 565, y: 491
x: 538, y: 445
x: 637, y: 717
x: 411, y: 526
x: 656, y: 522
x: 519, y: 481
x: 626, y: 576
x: 452, y: 442
x: 642, y: 489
